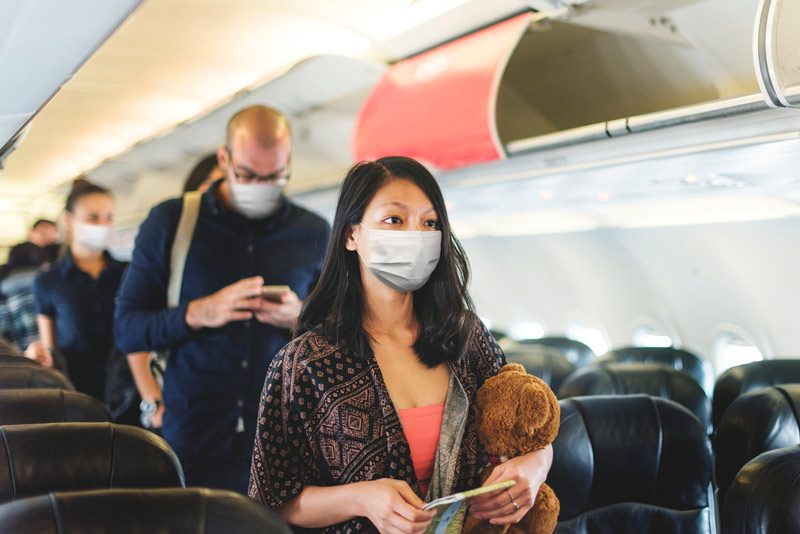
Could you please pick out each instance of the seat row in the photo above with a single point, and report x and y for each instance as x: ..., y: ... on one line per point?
x: 65, y: 468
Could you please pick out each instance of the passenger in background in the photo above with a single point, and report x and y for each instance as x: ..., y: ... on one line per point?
x: 75, y: 297
x: 17, y: 305
x: 205, y: 173
x: 223, y: 334
x: 369, y: 412
x: 40, y: 249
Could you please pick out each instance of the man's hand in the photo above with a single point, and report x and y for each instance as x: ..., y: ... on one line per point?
x: 235, y: 302
x: 281, y: 314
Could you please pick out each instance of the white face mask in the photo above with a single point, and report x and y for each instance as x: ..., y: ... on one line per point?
x: 255, y: 201
x: 93, y: 236
x: 403, y: 260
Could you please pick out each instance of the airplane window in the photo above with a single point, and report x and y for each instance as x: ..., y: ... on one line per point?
x: 592, y: 337
x: 648, y: 336
x: 526, y: 330
x: 732, y: 349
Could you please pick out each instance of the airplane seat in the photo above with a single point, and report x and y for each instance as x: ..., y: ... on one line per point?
x: 640, y: 378
x: 759, y: 421
x: 548, y: 364
x: 15, y: 360
x: 577, y: 353
x: 765, y: 495
x: 743, y: 378
x: 631, y: 463
x: 29, y: 406
x: 37, y: 459
x: 23, y: 375
x: 679, y: 359
x: 195, y: 510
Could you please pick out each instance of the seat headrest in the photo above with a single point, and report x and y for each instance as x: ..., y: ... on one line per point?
x: 29, y: 406
x: 195, y: 510
x: 758, y: 421
x: 629, y: 449
x: 640, y: 378
x: 678, y: 359
x: 24, y: 375
x: 8, y: 349
x: 743, y: 378
x: 548, y: 364
x: 15, y: 360
x: 35, y: 459
x: 765, y: 496
x: 577, y: 353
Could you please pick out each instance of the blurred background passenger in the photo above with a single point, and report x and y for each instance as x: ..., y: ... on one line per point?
x: 75, y: 297
x: 17, y: 307
x: 40, y: 248
x: 206, y: 172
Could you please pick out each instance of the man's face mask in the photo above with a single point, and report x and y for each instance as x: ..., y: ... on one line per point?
x: 93, y: 236
x: 256, y: 201
x: 403, y: 260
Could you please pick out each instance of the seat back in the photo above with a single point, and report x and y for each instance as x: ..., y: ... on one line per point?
x: 29, y: 406
x: 765, y: 495
x: 36, y: 459
x: 548, y: 364
x: 632, y: 463
x: 24, y: 375
x: 677, y: 359
x: 195, y: 510
x: 8, y: 349
x: 640, y: 378
x: 7, y: 359
x: 743, y: 378
x: 759, y: 421
x: 577, y: 353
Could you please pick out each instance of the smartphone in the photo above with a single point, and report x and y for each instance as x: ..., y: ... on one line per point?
x: 274, y: 293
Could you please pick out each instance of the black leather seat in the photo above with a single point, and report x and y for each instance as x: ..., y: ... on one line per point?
x: 193, y: 510
x: 8, y: 349
x: 631, y: 464
x: 36, y: 459
x: 640, y: 378
x: 577, y: 353
x: 743, y: 378
x: 765, y: 496
x: 29, y: 406
x: 24, y: 375
x: 759, y: 421
x: 678, y: 359
x: 548, y: 364
x: 15, y: 360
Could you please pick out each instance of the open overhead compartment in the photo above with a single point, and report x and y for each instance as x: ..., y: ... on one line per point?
x: 584, y: 72
x: 776, y: 50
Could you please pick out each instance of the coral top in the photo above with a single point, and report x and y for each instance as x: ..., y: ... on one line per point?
x: 422, y: 427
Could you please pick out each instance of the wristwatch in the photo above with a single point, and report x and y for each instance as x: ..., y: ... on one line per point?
x: 148, y: 408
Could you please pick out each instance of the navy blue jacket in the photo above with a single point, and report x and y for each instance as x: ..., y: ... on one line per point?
x: 82, y: 310
x: 214, y: 376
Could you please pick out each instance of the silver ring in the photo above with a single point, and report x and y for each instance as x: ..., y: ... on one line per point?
x: 512, y: 499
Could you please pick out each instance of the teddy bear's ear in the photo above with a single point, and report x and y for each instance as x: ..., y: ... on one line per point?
x: 534, y: 409
x: 513, y: 367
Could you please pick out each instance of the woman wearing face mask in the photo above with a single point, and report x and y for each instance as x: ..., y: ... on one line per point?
x: 75, y: 298
x: 367, y: 413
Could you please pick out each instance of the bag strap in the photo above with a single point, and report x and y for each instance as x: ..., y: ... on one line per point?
x: 180, y: 246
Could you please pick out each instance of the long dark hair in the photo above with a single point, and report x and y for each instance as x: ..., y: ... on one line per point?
x: 442, y: 306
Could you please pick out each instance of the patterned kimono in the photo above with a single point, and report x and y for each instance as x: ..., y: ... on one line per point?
x: 326, y: 419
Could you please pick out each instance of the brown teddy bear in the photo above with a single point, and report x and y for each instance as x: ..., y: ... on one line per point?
x: 516, y: 413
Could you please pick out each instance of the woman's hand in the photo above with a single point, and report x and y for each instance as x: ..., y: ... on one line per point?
x: 38, y: 352
x: 392, y: 506
x: 506, y: 507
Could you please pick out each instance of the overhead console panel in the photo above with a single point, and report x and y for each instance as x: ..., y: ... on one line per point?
x: 42, y: 44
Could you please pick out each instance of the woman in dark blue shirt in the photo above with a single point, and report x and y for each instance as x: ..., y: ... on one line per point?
x: 75, y: 298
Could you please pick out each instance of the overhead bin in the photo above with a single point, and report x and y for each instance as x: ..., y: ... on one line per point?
x: 438, y: 106
x: 468, y: 101
x: 42, y: 44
